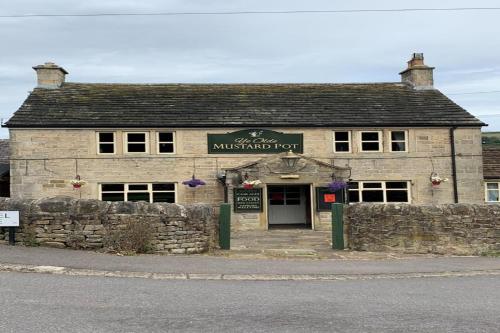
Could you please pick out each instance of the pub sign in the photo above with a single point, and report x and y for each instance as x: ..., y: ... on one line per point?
x: 247, y: 200
x: 9, y: 218
x: 325, y: 198
x: 255, y: 141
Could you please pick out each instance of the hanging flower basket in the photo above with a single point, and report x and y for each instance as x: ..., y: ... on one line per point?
x: 77, y: 182
x: 193, y: 182
x: 249, y: 184
x: 337, y: 185
x: 436, y: 180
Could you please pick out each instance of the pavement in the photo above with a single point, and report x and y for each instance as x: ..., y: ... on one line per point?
x: 360, y: 265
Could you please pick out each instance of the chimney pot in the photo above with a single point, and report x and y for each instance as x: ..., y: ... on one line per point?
x: 50, y: 75
x: 418, y: 75
x: 417, y: 60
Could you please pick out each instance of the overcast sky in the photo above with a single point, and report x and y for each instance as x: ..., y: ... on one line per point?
x: 358, y: 47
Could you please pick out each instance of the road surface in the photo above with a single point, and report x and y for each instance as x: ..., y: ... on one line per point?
x: 32, y: 302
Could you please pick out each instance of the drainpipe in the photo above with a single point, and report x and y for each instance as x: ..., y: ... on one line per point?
x: 454, y: 164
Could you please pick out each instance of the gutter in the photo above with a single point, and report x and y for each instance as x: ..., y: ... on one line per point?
x: 238, y: 125
x: 454, y: 164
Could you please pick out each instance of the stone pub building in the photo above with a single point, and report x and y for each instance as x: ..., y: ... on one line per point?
x: 269, y: 149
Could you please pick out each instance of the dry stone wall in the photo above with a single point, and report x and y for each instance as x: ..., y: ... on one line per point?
x: 462, y: 229
x: 87, y: 224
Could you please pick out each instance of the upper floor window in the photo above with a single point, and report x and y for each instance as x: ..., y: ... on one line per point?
x: 342, y: 141
x: 149, y: 192
x: 379, y: 191
x: 136, y: 142
x: 492, y: 191
x: 106, y: 142
x: 371, y: 141
x: 166, y: 144
x: 399, y: 141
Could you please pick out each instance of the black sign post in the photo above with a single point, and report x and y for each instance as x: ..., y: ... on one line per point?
x: 12, y: 235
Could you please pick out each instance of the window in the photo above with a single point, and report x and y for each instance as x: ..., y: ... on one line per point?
x: 156, y: 192
x: 106, y: 142
x: 492, y: 191
x: 379, y: 191
x: 136, y: 142
x: 292, y: 195
x: 396, y: 192
x: 163, y: 192
x: 370, y: 141
x: 166, y: 143
x: 342, y: 141
x: 113, y: 192
x: 399, y: 141
x: 284, y: 195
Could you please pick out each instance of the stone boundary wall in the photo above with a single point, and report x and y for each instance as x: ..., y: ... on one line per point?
x: 461, y: 229
x: 84, y: 224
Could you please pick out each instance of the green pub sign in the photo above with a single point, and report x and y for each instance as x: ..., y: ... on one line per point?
x: 255, y: 141
x: 247, y: 200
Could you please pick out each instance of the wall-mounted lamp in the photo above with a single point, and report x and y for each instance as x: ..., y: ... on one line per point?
x: 290, y: 159
x: 221, y: 177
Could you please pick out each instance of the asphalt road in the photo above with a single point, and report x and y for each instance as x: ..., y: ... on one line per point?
x: 54, y: 303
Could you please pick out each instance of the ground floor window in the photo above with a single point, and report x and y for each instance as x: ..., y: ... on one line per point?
x: 149, y: 192
x: 379, y: 191
x: 492, y: 191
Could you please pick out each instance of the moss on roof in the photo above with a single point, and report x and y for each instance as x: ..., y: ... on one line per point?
x: 90, y: 105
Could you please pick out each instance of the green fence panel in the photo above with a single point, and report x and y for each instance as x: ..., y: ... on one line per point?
x: 225, y: 226
x: 337, y: 226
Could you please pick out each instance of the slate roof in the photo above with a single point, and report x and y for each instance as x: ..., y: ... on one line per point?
x: 4, y: 157
x: 86, y: 105
x: 491, y: 162
x: 4, y: 151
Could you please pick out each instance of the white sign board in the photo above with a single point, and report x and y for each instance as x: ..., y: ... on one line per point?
x: 9, y: 218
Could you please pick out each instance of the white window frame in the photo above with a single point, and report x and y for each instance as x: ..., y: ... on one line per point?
x: 125, y: 142
x: 158, y: 142
x: 98, y: 140
x: 379, y: 141
x: 486, y: 190
x: 383, y: 188
x: 101, y: 191
x: 149, y: 190
x: 349, y: 142
x: 405, y: 141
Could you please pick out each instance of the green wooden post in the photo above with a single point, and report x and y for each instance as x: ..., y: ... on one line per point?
x: 337, y: 226
x: 225, y: 226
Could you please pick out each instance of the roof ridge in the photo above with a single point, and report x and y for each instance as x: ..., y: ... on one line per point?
x: 239, y: 84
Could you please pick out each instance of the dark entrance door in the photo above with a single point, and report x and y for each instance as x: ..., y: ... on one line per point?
x: 288, y: 205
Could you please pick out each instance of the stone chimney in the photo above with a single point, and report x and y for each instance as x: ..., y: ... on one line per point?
x: 50, y: 76
x: 418, y: 74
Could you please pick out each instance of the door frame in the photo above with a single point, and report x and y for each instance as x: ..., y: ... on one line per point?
x: 311, y: 200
